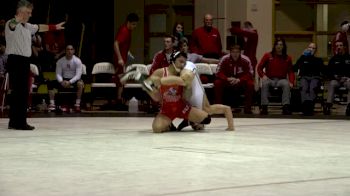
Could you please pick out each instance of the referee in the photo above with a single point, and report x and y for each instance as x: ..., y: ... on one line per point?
x: 18, y: 34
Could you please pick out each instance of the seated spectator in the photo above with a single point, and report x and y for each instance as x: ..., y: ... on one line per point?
x: 235, y: 72
x: 3, y: 57
x: 37, y: 46
x: 276, y: 70
x: 3, y: 62
x: 162, y: 58
x: 197, y: 58
x: 68, y: 75
x: 178, y: 33
x: 193, y: 57
x: 338, y: 71
x: 309, y: 68
x: 37, y: 59
x: 2, y: 28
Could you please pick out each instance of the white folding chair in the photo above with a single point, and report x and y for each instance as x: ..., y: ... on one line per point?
x: 139, y: 67
x: 204, y: 68
x: 83, y: 69
x: 149, y: 66
x: 34, y: 69
x: 102, y: 74
x: 214, y: 68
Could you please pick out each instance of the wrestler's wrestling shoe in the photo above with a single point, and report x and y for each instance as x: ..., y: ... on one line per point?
x: 131, y: 75
x: 131, y: 67
x: 147, y: 85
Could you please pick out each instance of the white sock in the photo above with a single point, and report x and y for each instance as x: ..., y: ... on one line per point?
x: 77, y: 102
x: 52, y: 102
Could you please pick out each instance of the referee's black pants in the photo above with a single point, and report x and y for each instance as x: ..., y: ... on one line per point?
x: 18, y: 68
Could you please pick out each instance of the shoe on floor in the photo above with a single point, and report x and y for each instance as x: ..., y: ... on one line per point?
x: 264, y: 110
x: 65, y: 109
x: 52, y: 107
x: 24, y: 127
x: 308, y: 108
x: 327, y: 108
x: 348, y: 110
x: 286, y: 110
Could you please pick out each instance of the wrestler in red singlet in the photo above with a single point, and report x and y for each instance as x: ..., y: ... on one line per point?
x: 173, y: 104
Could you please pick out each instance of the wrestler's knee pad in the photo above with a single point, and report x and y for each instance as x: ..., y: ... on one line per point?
x: 206, y: 121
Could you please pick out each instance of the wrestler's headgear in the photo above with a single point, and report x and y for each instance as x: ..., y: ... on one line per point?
x: 176, y: 55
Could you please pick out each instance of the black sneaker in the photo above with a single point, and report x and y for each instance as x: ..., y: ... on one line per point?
x: 264, y: 110
x: 308, y: 108
x: 183, y: 124
x: 286, y: 110
x: 348, y: 110
x: 172, y: 127
x: 23, y: 128
x: 327, y: 108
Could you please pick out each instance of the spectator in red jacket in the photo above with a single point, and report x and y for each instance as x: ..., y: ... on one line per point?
x: 206, y: 40
x: 276, y: 70
x: 235, y: 72
x: 162, y: 58
x: 251, y: 40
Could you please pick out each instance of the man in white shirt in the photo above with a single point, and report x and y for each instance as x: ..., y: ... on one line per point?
x: 18, y: 34
x: 68, y: 75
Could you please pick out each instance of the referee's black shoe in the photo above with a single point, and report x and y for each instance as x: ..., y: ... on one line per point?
x: 24, y: 127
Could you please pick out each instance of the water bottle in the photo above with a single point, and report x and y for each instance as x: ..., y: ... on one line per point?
x: 133, y: 105
x: 43, y: 105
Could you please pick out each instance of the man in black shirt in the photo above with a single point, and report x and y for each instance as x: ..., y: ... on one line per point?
x: 309, y: 68
x: 339, y: 74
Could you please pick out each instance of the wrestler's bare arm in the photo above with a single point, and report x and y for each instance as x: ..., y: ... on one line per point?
x: 155, y: 78
x: 219, y: 109
x: 187, y: 76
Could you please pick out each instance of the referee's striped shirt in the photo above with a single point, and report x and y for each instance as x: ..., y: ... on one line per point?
x: 19, y: 41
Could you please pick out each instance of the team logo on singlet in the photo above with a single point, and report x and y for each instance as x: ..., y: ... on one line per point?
x: 171, y: 95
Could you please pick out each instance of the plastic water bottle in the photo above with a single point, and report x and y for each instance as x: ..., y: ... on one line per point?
x: 43, y: 106
x: 133, y: 105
